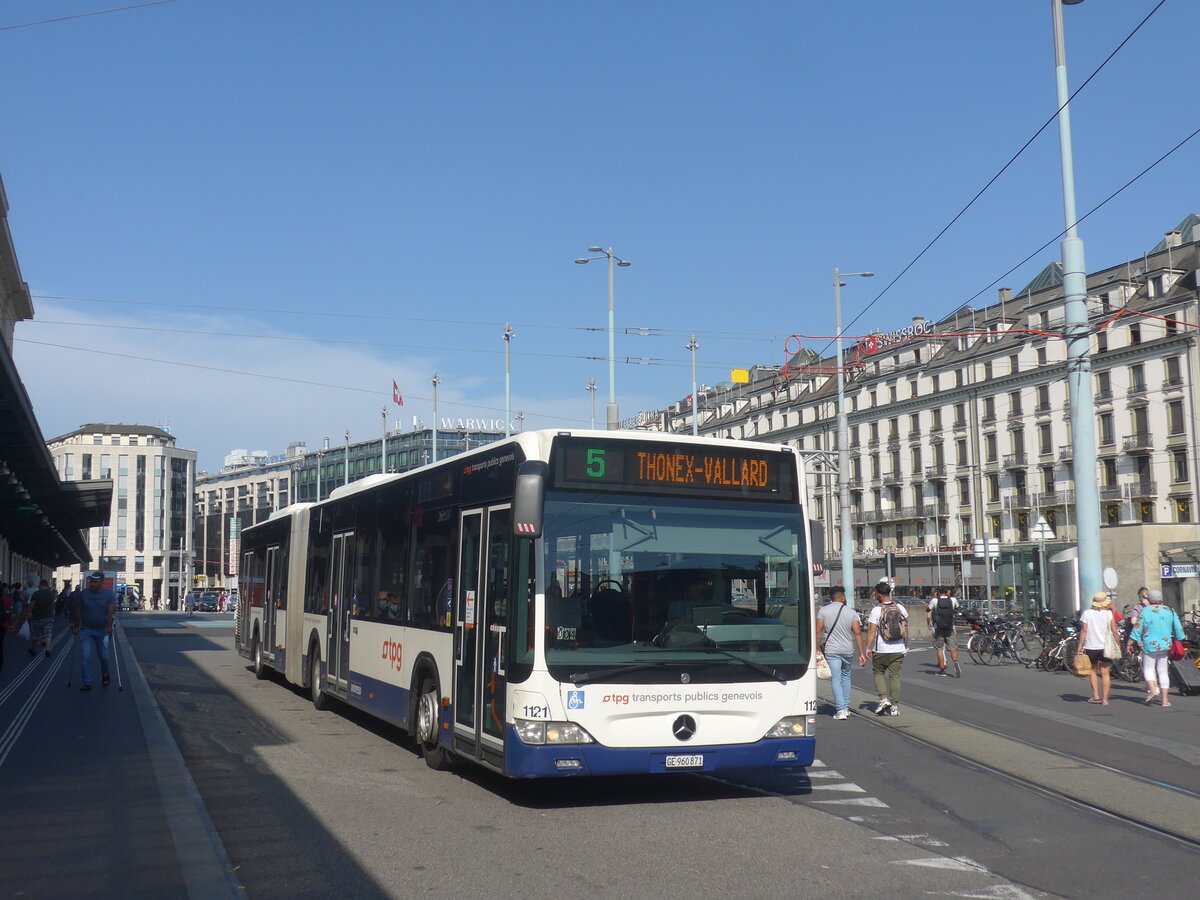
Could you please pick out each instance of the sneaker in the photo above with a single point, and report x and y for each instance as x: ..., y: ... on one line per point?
x: 893, y: 710
x: 957, y: 670
x: 941, y: 672
x: 85, y: 687
x: 842, y: 714
x: 882, y: 708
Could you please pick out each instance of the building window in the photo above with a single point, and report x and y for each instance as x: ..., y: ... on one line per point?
x: 989, y: 409
x: 1041, y: 356
x: 1014, y: 403
x: 993, y: 487
x: 1108, y: 469
x: 1172, y: 326
x: 1047, y: 479
x: 961, y: 451
x: 1112, y: 514
x: 987, y: 371
x: 1175, y: 423
x: 1106, y: 429
x: 1137, y: 378
x: 989, y: 444
x: 1102, y: 342
x: 936, y: 415
x: 964, y: 492
x: 1045, y: 442
x: 960, y: 415
x: 1179, y: 466
x: 1172, y: 370
x: 1146, y: 511
x: 1014, y: 364
x: 1043, y: 401
x: 914, y: 423
x: 1135, y: 334
x: 1183, y: 509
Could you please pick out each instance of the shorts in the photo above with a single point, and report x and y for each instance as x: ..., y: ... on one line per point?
x: 945, y: 640
x: 41, y: 629
x: 1096, y: 656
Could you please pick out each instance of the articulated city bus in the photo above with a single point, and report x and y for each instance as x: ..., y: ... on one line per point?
x: 560, y: 603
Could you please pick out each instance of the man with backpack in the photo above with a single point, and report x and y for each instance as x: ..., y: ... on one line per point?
x: 940, y: 616
x: 887, y: 643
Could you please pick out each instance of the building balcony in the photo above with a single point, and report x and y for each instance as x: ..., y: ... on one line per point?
x: 1136, y: 390
x: 1145, y: 488
x: 893, y: 478
x: 1173, y: 384
x: 988, y: 418
x: 1110, y: 492
x: 1142, y: 442
x: 1104, y: 396
x: 1066, y: 454
x: 960, y: 424
x: 935, y: 473
x: 1042, y: 408
x: 1015, y: 460
x: 1047, y: 499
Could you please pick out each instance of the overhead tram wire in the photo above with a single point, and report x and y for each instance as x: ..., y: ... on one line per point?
x: 716, y: 365
x: 87, y: 15
x: 204, y: 307
x: 1002, y: 170
x: 338, y: 387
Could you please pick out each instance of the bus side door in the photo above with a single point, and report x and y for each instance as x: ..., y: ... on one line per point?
x: 481, y: 634
x: 341, y: 599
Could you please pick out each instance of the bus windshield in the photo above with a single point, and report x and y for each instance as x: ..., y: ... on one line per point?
x: 658, y: 589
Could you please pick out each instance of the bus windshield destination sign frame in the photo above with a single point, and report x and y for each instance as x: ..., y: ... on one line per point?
x: 663, y: 467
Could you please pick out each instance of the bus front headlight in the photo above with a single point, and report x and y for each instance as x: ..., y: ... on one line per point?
x: 792, y: 726
x: 531, y: 732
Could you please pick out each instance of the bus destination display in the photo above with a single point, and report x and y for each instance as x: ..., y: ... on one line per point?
x: 677, y: 468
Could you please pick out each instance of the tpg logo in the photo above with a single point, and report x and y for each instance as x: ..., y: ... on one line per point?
x: 392, y: 651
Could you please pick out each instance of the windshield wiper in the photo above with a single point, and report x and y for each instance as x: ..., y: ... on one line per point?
x: 749, y: 663
x: 578, y: 678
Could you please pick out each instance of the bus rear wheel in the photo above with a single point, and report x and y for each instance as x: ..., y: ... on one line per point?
x: 320, y: 699
x: 426, y: 729
x: 256, y: 655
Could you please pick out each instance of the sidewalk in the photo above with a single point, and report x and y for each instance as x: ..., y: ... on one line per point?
x: 99, y: 801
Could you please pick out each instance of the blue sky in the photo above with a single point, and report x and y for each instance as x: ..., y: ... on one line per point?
x: 419, y: 174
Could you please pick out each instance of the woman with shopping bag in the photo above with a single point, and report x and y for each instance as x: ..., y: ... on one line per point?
x: 1097, y: 639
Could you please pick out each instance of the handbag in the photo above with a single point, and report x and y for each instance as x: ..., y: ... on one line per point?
x: 1082, y: 665
x: 24, y: 632
x: 1178, y: 650
x: 1112, y: 648
x: 823, y: 671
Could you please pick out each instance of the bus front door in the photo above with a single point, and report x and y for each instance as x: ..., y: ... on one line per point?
x: 341, y: 599
x: 481, y: 638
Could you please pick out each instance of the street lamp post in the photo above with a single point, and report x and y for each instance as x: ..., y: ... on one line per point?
x: 608, y: 254
x: 509, y: 334
x: 591, y: 389
x: 1043, y: 532
x: 435, y: 381
x: 693, y: 346
x: 346, y: 474
x: 1079, y: 362
x: 843, y: 441
x: 383, y: 443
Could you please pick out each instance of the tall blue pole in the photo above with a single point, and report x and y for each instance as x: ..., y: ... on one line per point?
x: 1079, y: 362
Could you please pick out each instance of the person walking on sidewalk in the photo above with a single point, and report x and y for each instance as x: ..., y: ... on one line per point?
x: 189, y: 604
x: 1156, y: 628
x: 940, y: 616
x: 93, y: 624
x: 6, y: 620
x: 1094, y: 626
x: 887, y: 643
x: 40, y: 616
x: 841, y: 633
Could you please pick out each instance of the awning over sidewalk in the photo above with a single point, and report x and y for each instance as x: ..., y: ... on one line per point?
x: 42, y: 518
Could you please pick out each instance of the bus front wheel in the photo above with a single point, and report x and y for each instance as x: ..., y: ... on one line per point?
x: 426, y: 730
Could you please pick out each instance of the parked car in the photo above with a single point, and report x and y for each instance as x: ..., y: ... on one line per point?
x: 208, y: 601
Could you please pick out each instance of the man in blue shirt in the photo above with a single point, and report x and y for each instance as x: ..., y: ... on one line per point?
x: 93, y: 624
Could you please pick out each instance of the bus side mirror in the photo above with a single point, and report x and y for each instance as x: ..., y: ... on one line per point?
x: 816, y: 541
x: 529, y: 499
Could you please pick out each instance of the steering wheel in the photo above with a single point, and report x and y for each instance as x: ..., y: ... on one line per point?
x: 735, y: 616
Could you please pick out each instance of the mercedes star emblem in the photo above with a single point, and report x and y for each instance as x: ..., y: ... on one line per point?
x: 684, y: 728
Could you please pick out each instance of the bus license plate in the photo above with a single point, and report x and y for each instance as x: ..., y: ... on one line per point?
x: 685, y: 762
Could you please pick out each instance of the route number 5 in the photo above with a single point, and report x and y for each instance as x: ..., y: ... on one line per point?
x: 595, y: 463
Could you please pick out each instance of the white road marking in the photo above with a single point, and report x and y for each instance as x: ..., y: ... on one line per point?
x: 828, y: 773
x: 996, y: 892
x: 856, y: 801
x: 957, y: 863
x: 851, y: 788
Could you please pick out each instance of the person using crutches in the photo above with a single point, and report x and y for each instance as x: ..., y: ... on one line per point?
x: 93, y: 625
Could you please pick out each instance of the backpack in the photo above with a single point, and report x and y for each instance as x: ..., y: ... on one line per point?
x: 943, y: 615
x: 892, y: 626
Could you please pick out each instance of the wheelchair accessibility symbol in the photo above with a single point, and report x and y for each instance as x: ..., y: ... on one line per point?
x: 574, y: 699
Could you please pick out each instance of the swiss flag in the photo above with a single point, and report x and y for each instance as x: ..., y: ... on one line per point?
x: 396, y: 398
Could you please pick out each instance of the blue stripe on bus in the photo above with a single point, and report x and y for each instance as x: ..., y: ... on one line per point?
x: 541, y: 761
x: 388, y: 701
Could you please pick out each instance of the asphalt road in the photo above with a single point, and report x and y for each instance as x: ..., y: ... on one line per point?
x: 316, y: 804
x: 968, y: 793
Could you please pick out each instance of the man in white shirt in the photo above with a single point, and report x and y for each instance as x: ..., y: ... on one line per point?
x: 887, y: 643
x: 940, y: 616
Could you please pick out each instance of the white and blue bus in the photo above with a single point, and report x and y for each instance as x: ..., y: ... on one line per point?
x: 560, y: 603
